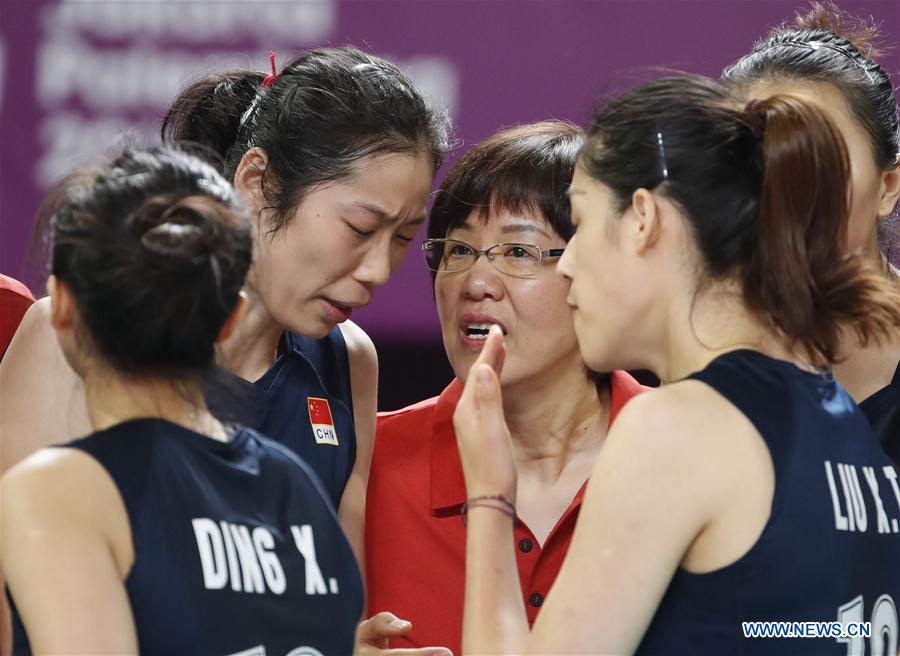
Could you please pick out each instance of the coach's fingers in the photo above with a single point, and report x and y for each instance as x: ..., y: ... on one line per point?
x: 372, y: 637
x: 422, y: 651
x: 376, y: 630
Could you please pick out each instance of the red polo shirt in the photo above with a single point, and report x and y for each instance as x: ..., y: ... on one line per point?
x: 14, y: 301
x: 415, y: 540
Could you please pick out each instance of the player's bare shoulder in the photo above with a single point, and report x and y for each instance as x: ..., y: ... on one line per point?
x: 43, y: 398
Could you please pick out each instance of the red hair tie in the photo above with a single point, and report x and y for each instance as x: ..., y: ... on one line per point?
x: 755, y: 115
x: 268, y: 79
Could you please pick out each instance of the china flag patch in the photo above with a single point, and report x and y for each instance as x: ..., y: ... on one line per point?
x: 321, y: 421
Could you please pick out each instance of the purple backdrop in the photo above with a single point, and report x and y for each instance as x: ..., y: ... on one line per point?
x: 74, y: 74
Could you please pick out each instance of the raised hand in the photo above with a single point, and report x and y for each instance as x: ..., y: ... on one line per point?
x: 481, y: 432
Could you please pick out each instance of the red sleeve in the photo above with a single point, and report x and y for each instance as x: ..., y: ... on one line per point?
x: 13, y: 304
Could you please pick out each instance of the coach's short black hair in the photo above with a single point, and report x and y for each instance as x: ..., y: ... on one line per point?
x: 527, y: 168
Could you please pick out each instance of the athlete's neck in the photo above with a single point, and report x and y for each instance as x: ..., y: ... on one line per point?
x: 877, y: 260
x: 253, y: 346
x: 702, y: 326
x: 114, y: 397
x: 865, y: 370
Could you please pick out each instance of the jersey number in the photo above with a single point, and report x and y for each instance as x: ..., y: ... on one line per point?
x: 883, y: 639
x: 260, y: 650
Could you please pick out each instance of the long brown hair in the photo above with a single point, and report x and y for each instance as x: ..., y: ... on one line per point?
x: 801, y: 275
x: 826, y: 45
x: 765, y: 188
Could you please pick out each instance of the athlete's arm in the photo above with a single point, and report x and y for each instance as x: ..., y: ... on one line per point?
x: 364, y: 384
x: 653, y: 490
x: 66, y: 551
x: 42, y: 404
x: 43, y: 400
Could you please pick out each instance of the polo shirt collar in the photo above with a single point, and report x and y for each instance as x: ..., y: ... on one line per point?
x: 448, y: 486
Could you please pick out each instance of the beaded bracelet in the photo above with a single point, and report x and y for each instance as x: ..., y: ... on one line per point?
x: 489, y: 501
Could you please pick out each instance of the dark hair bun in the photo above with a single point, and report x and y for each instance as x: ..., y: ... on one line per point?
x: 185, y: 230
x: 155, y: 248
x: 174, y: 239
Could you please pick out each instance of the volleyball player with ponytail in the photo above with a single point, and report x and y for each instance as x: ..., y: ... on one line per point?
x: 829, y: 58
x: 749, y: 486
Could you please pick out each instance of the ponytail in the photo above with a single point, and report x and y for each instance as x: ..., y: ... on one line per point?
x: 208, y: 113
x: 827, y: 46
x: 316, y: 119
x: 765, y: 192
x: 799, y: 277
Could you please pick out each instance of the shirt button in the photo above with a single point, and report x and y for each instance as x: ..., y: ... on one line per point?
x: 536, y: 599
x: 525, y: 545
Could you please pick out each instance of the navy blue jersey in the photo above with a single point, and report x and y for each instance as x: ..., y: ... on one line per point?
x: 882, y: 409
x: 830, y: 552
x: 303, y: 401
x: 236, y: 548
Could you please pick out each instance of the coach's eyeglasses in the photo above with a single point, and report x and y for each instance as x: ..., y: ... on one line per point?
x: 517, y: 260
